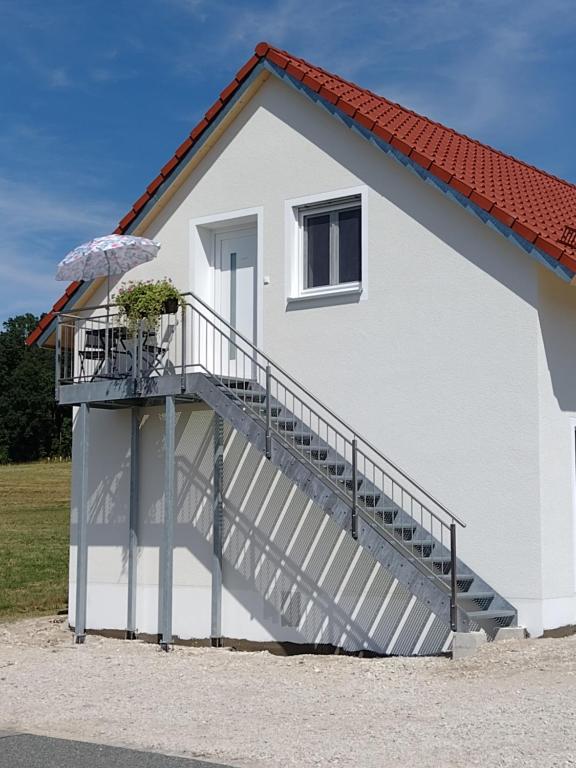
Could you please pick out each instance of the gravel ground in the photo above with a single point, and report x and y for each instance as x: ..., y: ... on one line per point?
x: 512, y: 704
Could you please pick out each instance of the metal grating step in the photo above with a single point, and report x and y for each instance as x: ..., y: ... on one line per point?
x: 463, y: 582
x: 479, y: 601
x: 499, y: 618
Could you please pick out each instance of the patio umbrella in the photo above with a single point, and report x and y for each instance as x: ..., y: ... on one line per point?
x: 105, y: 256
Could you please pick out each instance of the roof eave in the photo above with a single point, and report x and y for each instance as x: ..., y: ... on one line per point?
x: 162, y: 190
x: 180, y: 170
x: 269, y: 60
x: 561, y: 270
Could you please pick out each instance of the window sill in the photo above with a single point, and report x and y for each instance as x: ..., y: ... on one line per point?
x: 327, y: 296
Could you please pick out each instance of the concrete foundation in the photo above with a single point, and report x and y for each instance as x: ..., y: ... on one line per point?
x: 510, y: 633
x: 467, y: 643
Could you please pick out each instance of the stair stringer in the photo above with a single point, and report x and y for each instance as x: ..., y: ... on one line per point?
x: 424, y: 587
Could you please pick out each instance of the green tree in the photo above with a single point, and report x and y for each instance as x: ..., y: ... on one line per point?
x: 32, y: 426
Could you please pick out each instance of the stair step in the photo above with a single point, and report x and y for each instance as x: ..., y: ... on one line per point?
x: 335, y: 468
x: 463, y: 582
x: 347, y: 481
x: 244, y: 395
x: 250, y: 394
x: 502, y: 618
x: 305, y: 437
x: 241, y: 384
x: 440, y: 565
x: 370, y: 500
x: 260, y: 408
x: 481, y: 600
x: 424, y: 547
x: 385, y: 515
x: 285, y: 424
x: 400, y: 532
x: 317, y: 453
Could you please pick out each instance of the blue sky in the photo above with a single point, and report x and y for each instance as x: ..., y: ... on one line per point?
x: 95, y: 95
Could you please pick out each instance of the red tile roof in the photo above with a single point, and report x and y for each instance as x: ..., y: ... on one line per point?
x: 532, y: 203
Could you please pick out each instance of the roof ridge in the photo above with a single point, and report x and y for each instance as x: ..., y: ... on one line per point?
x: 420, y: 116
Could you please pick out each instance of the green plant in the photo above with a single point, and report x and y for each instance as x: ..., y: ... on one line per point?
x: 144, y: 300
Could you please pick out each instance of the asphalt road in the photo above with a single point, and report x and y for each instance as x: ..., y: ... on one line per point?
x: 23, y: 750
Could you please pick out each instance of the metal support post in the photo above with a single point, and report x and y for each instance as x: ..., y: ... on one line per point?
x: 268, y: 412
x: 82, y: 529
x: 354, y: 518
x: 168, y: 538
x: 133, y: 524
x: 217, y: 526
x: 453, y: 580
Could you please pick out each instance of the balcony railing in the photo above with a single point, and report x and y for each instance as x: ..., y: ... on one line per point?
x: 95, y: 344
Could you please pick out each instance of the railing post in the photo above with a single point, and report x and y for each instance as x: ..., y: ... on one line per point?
x: 138, y: 357
x: 107, y: 341
x: 183, y: 351
x: 268, y: 412
x: 453, y: 580
x: 135, y: 363
x: 58, y: 357
x: 354, y: 518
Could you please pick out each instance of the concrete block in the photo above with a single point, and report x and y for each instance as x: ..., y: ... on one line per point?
x: 467, y: 643
x: 510, y: 633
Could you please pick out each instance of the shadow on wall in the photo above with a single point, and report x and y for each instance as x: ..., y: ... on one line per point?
x: 557, y: 314
x: 109, y: 482
x: 286, y: 563
x: 293, y: 571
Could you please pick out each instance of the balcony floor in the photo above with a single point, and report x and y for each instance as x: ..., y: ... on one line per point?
x: 126, y: 392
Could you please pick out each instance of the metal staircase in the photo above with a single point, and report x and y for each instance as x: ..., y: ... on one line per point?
x: 421, y: 560
x: 391, y: 515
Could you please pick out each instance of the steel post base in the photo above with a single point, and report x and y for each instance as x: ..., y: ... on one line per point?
x: 79, y: 639
x: 217, y: 642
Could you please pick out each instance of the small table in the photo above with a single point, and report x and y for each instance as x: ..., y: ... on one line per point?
x: 112, y: 350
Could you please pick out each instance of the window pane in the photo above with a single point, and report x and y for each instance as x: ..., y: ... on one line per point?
x: 349, y: 246
x: 317, y: 270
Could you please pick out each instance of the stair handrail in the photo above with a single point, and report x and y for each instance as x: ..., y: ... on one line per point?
x: 356, y: 435
x: 236, y: 334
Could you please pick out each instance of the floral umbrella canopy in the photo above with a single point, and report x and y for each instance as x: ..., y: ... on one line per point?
x: 105, y: 256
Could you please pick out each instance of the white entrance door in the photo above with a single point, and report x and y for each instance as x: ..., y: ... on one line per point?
x: 235, y: 254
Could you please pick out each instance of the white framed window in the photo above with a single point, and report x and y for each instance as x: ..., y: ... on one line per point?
x: 327, y: 248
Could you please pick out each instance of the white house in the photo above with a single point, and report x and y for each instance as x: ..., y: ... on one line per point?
x: 408, y: 295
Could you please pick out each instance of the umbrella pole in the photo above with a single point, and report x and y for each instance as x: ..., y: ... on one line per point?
x: 107, y: 331
x: 107, y: 285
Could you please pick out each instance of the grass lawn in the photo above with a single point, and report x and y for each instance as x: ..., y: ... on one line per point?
x: 34, y: 520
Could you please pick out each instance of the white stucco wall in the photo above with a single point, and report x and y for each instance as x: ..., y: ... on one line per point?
x: 456, y: 365
x: 108, y: 508
x: 557, y: 425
